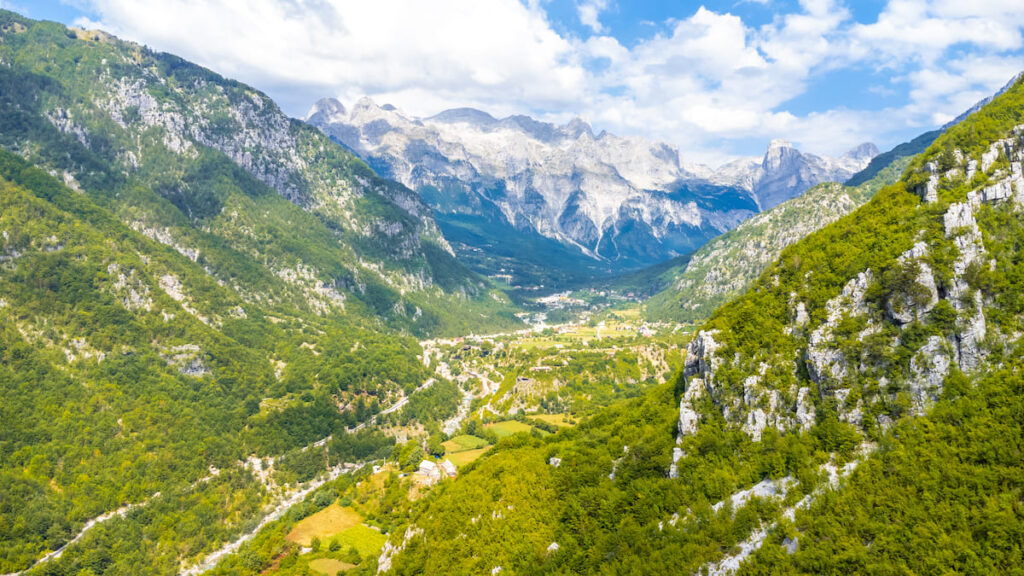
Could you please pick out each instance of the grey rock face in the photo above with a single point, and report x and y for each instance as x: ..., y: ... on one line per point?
x: 763, y: 409
x: 699, y: 372
x: 905, y: 308
x: 677, y: 455
x: 960, y: 224
x: 785, y: 172
x: 928, y: 369
x: 805, y: 412
x: 688, y: 416
x: 700, y: 356
x: 613, y: 199
x: 852, y: 342
x: 930, y: 191
x: 824, y: 362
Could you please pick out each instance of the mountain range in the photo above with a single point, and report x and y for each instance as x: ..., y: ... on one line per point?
x: 542, y: 201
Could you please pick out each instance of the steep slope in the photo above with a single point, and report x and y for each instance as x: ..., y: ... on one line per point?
x: 726, y: 265
x: 942, y: 496
x: 194, y: 290
x: 886, y: 159
x: 128, y: 371
x: 202, y: 163
x: 587, y: 204
x: 869, y: 359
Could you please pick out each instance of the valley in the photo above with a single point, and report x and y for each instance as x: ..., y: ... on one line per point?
x: 534, y: 381
x: 236, y: 343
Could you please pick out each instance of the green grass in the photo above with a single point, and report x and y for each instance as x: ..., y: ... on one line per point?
x: 460, y: 459
x: 463, y: 443
x: 560, y: 420
x: 508, y: 428
x: 330, y: 521
x: 364, y: 539
x: 330, y: 566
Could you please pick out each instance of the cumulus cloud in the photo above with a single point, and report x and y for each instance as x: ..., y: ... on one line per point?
x: 480, y: 52
x: 589, y: 12
x: 707, y: 81
x: 714, y: 78
x: 947, y: 53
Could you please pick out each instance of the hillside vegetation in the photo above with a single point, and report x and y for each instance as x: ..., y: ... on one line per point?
x: 725, y: 266
x: 856, y: 411
x: 194, y: 289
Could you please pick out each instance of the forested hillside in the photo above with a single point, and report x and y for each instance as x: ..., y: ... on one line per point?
x: 214, y: 169
x: 193, y: 289
x: 227, y: 346
x: 725, y: 266
x: 856, y: 411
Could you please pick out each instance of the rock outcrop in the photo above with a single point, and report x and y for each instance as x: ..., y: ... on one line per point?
x: 854, y: 350
x: 824, y: 360
x: 908, y: 306
x: 928, y: 369
x: 698, y: 370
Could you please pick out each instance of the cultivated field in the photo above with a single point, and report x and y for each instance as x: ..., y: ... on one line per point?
x: 364, y: 539
x: 560, y: 420
x: 325, y: 523
x: 329, y: 566
x: 508, y: 428
x: 464, y: 457
x: 462, y: 443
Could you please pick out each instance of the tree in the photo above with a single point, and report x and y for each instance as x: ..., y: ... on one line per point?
x: 435, y: 445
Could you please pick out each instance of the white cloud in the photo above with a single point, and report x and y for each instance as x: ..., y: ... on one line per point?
x: 713, y: 78
x: 709, y: 82
x: 458, y: 50
x: 589, y: 12
x: 948, y: 53
x: 923, y: 31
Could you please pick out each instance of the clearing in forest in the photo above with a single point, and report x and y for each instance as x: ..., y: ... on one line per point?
x: 464, y: 457
x: 560, y: 420
x: 325, y: 523
x: 330, y: 566
x: 508, y: 428
x: 463, y: 442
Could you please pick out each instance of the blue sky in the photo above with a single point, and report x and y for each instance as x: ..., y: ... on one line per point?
x: 718, y: 79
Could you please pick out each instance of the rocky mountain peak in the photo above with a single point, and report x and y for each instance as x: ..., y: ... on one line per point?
x: 578, y: 127
x: 328, y: 109
x: 543, y: 131
x: 786, y: 172
x: 365, y: 107
x: 778, y: 152
x: 865, y: 151
x: 365, y: 103
x: 616, y: 199
x: 464, y: 116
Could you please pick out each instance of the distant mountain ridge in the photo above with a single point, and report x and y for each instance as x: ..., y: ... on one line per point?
x: 610, y: 203
x: 785, y: 172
